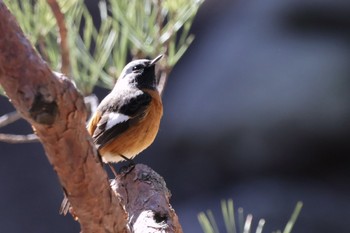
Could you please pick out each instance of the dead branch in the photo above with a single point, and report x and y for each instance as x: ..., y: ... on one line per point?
x: 13, y: 138
x: 9, y: 118
x: 90, y: 101
x: 145, y: 196
x: 163, y: 78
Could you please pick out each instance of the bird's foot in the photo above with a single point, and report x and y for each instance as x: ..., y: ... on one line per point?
x: 127, y: 168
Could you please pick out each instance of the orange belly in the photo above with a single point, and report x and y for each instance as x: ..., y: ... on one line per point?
x: 138, y: 137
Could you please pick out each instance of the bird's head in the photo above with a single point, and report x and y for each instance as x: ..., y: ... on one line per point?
x: 140, y: 73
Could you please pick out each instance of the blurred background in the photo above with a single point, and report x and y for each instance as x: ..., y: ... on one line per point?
x: 256, y: 110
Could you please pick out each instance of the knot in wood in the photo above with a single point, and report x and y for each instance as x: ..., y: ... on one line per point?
x: 44, y: 109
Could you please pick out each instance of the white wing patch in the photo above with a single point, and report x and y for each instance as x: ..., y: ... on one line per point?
x: 115, y: 118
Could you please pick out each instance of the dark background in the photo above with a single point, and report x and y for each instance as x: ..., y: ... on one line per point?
x: 257, y: 110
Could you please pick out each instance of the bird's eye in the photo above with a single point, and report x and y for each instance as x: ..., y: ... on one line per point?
x: 137, y: 67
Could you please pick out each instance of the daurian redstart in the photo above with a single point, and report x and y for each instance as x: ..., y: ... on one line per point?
x: 127, y: 120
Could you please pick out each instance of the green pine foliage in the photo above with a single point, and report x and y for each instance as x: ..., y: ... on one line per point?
x: 240, y: 223
x: 136, y: 28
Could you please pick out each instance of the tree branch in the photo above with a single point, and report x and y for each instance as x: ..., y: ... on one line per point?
x: 9, y: 118
x: 163, y: 78
x: 65, y: 67
x: 145, y: 196
x: 57, y: 112
x: 91, y: 102
x: 13, y: 138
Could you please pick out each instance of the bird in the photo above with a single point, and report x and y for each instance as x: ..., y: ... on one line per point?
x: 127, y: 120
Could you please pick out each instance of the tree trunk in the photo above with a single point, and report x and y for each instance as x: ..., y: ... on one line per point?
x: 56, y: 110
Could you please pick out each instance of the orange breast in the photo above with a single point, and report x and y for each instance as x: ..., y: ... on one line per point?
x: 139, y: 136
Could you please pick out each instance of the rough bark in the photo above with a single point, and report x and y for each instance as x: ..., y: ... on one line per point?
x: 145, y: 196
x: 138, y: 201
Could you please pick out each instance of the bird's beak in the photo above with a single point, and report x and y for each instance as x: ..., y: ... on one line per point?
x: 156, y: 59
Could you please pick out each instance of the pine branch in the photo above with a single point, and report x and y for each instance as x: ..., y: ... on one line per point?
x: 52, y: 105
x: 65, y: 66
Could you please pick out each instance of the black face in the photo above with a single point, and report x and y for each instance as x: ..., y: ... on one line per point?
x: 145, y: 75
x: 140, y: 73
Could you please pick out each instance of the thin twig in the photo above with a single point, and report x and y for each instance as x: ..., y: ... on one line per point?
x: 163, y: 72
x: 56, y: 10
x: 163, y: 78
x: 42, y: 48
x: 9, y: 118
x: 12, y: 138
x: 160, y: 18
x: 91, y: 101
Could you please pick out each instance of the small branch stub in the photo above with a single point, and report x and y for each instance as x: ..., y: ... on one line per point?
x: 146, y: 199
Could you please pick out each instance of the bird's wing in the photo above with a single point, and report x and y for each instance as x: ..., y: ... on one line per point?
x: 117, y: 119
